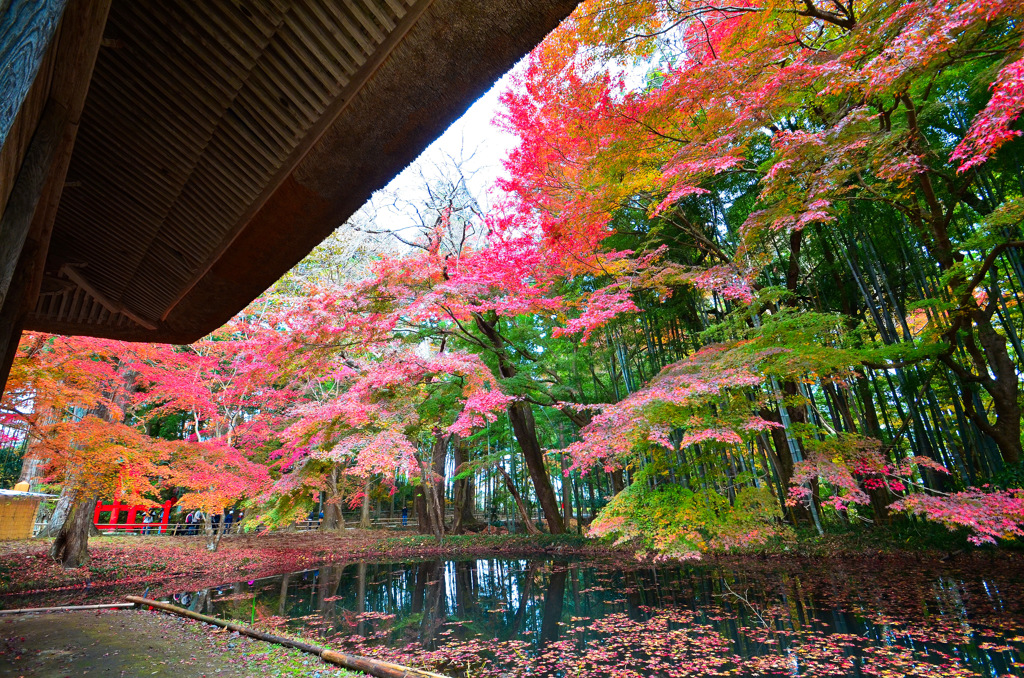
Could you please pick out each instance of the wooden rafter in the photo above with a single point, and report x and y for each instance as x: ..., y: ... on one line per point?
x: 72, y: 274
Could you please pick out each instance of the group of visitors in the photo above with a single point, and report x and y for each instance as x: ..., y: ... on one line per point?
x: 148, y: 522
x: 196, y: 519
x: 192, y: 522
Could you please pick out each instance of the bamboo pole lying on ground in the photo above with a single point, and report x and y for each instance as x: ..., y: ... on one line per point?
x: 66, y: 608
x: 374, y: 667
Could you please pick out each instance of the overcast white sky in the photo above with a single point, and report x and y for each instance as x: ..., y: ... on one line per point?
x: 473, y: 138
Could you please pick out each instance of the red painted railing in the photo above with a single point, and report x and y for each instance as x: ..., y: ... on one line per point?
x: 116, y: 509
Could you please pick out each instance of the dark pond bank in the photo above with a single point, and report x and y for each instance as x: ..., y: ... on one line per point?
x: 543, y: 617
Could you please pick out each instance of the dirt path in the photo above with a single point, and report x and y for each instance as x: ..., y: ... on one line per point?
x: 135, y: 644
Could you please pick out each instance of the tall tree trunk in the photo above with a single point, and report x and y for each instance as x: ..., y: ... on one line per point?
x: 525, y: 428
x: 566, y: 488
x: 432, y: 507
x: 439, y: 456
x: 208, y: 524
x: 424, y: 525
x: 523, y: 425
x: 213, y: 543
x: 618, y: 481
x: 783, y: 460
x: 465, y: 492
x: 65, y: 504
x: 71, y: 546
x: 332, y: 519
x: 364, y: 514
x: 575, y: 483
x: 524, y: 513
x: 997, y: 374
x: 782, y: 437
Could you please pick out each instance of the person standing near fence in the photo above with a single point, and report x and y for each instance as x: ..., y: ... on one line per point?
x: 405, y: 516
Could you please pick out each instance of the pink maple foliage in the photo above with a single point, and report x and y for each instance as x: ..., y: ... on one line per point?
x: 989, y: 514
x: 992, y: 127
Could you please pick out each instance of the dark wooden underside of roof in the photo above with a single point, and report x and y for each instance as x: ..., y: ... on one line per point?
x: 221, y: 141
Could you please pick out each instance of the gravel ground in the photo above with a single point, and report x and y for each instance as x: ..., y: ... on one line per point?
x: 135, y: 643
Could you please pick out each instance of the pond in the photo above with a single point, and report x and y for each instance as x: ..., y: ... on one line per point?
x: 511, y: 618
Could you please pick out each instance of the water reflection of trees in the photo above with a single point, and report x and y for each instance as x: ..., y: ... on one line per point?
x: 523, y: 600
x: 431, y: 603
x: 493, y: 598
x: 517, y: 599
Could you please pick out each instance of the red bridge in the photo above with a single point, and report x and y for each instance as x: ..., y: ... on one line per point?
x: 116, y: 509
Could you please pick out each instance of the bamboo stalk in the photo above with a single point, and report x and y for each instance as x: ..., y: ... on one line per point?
x: 66, y: 608
x: 374, y: 667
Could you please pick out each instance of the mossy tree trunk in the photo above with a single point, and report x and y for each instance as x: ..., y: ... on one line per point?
x: 71, y: 545
x: 333, y: 520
